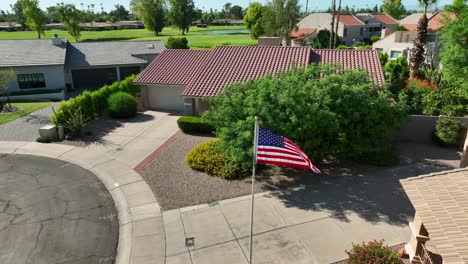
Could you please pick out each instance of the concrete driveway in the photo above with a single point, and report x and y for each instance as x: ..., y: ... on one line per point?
x: 52, y: 211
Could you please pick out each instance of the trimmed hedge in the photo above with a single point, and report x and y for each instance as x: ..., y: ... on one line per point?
x: 194, y: 124
x: 448, y: 131
x: 94, y: 104
x: 122, y: 105
x: 36, y: 91
x: 207, y: 158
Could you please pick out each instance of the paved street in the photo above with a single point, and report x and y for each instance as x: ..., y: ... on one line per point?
x: 54, y: 212
x: 26, y: 128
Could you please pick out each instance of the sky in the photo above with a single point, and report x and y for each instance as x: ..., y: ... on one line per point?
x: 217, y: 4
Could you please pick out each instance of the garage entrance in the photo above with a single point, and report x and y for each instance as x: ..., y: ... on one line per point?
x: 166, y: 97
x: 92, y: 79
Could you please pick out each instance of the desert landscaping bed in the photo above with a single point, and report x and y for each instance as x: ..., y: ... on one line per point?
x: 175, y: 185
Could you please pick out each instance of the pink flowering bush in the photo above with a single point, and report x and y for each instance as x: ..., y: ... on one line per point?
x: 373, y: 252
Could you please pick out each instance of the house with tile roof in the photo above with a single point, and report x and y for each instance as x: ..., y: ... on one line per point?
x: 303, y: 36
x: 411, y: 22
x: 351, y: 28
x: 439, y: 229
x: 10, y: 26
x: 179, y: 80
x: 45, y: 67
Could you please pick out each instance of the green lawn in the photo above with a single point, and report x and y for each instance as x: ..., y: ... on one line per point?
x: 197, y: 37
x: 26, y: 108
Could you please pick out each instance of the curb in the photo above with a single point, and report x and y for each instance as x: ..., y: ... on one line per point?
x: 137, y: 208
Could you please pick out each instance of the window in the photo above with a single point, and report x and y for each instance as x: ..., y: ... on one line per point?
x: 361, y: 31
x: 395, y: 54
x: 345, y: 32
x: 28, y: 81
x: 379, y: 50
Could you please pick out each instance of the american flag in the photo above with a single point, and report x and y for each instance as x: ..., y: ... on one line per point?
x: 278, y: 150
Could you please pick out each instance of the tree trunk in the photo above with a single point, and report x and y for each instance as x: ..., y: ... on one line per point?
x: 332, y: 31
x: 336, y: 25
x: 417, y: 52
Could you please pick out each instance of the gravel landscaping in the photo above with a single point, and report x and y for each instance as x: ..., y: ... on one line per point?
x: 175, y: 185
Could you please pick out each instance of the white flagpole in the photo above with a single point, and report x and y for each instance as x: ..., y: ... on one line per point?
x: 253, y: 188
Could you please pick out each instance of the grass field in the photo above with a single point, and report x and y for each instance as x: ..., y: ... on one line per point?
x: 198, y: 37
x: 26, y: 108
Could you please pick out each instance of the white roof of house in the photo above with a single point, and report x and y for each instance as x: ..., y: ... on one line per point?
x: 31, y: 52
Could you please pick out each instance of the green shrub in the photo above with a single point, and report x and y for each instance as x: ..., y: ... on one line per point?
x: 327, y: 114
x: 177, y: 43
x: 396, y: 73
x: 448, y: 131
x: 374, y: 39
x: 207, y: 158
x: 122, y: 105
x: 383, y: 58
x: 194, y: 124
x: 372, y: 252
x: 94, y: 104
x: 342, y: 47
x: 449, y: 101
x: 413, y: 94
x: 74, y: 124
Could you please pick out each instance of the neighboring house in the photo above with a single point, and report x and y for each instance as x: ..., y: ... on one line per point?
x: 129, y: 25
x: 400, y: 43
x: 93, y: 26
x: 269, y: 41
x: 350, y: 28
x: 58, y: 26
x: 45, y: 67
x: 303, y: 36
x: 178, y: 80
x: 38, y: 63
x: 10, y: 26
x: 439, y: 231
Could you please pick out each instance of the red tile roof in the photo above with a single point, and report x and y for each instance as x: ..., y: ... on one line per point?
x: 349, y: 20
x: 437, y: 20
x: 302, y: 32
x: 352, y: 59
x: 174, y: 67
x: 228, y: 65
x: 386, y: 19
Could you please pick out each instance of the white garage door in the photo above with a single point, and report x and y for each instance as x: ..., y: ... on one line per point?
x: 166, y: 98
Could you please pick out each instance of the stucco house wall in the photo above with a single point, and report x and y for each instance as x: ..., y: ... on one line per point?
x: 54, y: 76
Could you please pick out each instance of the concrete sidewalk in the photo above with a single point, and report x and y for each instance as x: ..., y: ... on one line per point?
x: 133, y: 141
x: 283, y: 234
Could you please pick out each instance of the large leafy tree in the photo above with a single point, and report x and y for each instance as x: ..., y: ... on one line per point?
x: 35, y: 17
x: 393, y: 8
x: 181, y: 14
x: 17, y: 9
x: 343, y: 115
x: 120, y: 13
x: 151, y: 12
x: 253, y: 20
x: 417, y: 52
x: 454, y: 52
x: 71, y: 17
x: 280, y: 18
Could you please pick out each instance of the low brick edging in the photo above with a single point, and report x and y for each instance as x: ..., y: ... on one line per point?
x: 141, y: 232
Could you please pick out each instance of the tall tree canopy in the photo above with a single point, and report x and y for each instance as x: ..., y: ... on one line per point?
x: 71, y: 17
x: 181, y: 14
x: 280, y: 18
x: 454, y: 52
x: 35, y: 17
x: 253, y: 20
x: 120, y: 13
x: 17, y: 9
x: 394, y: 8
x: 151, y: 12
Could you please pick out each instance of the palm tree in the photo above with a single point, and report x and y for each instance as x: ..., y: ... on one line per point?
x: 92, y: 8
x: 82, y: 7
x: 417, y: 52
